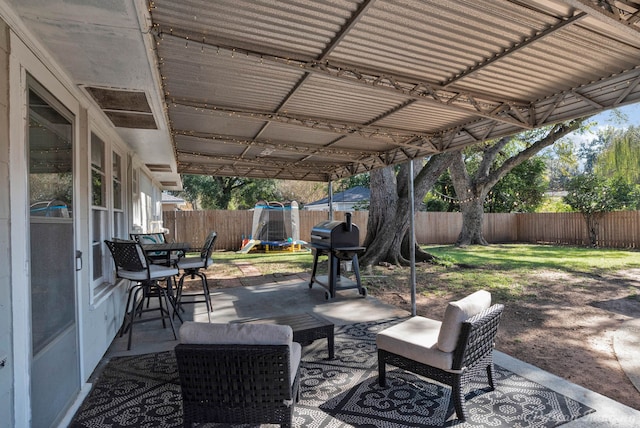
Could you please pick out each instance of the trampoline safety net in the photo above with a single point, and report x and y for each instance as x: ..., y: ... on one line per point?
x: 276, y: 222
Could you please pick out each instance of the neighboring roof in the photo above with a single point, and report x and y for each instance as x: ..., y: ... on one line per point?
x: 353, y: 195
x: 170, y: 199
x: 312, y: 90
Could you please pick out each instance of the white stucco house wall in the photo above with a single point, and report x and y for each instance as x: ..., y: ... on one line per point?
x: 69, y: 179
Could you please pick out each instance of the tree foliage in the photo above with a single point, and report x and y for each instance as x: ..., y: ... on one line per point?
x: 209, y: 192
x: 594, y: 195
x: 620, y: 156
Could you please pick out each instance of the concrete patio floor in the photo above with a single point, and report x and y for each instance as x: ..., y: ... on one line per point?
x: 280, y: 295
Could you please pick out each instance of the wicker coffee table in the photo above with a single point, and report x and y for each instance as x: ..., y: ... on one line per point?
x: 306, y: 327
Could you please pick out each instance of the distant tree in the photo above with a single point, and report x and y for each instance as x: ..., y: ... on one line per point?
x: 208, y: 192
x: 442, y: 196
x: 252, y: 191
x: 303, y: 192
x: 621, y: 154
x: 520, y: 190
x: 355, y: 180
x: 594, y: 196
x: 589, y: 152
x: 562, y: 163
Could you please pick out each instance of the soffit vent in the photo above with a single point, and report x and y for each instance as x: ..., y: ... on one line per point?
x: 158, y: 167
x: 125, y: 108
x: 169, y: 183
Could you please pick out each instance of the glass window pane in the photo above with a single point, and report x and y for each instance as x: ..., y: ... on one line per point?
x: 117, y: 182
x: 97, y: 153
x: 98, y: 189
x: 97, y: 246
x: 51, y: 240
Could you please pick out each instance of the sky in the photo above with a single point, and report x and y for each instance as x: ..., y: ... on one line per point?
x: 631, y: 111
x: 608, y: 118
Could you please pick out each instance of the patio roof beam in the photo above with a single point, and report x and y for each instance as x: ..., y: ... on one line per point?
x: 606, y: 11
x: 407, y: 142
x: 391, y: 135
x: 482, y: 105
x: 328, y: 49
x: 286, y: 146
x: 516, y: 47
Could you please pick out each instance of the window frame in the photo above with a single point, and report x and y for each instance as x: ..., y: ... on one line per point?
x: 106, y: 221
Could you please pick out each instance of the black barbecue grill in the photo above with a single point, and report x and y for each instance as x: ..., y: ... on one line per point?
x: 338, y: 240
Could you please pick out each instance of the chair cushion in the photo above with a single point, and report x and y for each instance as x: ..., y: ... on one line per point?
x: 192, y: 262
x: 160, y: 271
x: 456, y: 313
x: 155, y: 272
x: 416, y: 339
x: 243, y: 334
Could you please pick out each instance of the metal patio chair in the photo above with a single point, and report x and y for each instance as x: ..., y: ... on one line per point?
x: 131, y: 263
x: 194, y: 266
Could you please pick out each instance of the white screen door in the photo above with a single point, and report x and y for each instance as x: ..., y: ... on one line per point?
x: 55, y: 375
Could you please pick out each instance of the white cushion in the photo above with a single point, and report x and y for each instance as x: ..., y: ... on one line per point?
x: 138, y: 275
x: 243, y: 334
x: 155, y: 271
x: 416, y: 339
x: 192, y: 262
x: 160, y: 271
x: 456, y: 313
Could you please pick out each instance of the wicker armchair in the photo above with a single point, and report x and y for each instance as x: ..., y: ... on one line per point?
x: 238, y: 383
x: 415, y: 345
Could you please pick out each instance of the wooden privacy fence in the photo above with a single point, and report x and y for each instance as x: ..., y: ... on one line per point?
x: 617, y: 229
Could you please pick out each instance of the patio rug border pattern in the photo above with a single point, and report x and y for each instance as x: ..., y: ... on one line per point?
x: 144, y: 391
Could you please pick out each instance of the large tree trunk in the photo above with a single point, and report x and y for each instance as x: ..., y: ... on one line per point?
x: 472, y: 220
x: 389, y: 209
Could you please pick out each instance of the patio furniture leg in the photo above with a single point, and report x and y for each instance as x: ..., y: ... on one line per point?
x: 166, y: 301
x: 458, y: 398
x: 173, y: 299
x: 134, y: 309
x: 490, y: 375
x: 160, y: 292
x: 382, y: 370
x: 205, y: 290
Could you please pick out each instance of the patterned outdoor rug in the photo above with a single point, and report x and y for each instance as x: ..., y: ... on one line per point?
x: 144, y: 391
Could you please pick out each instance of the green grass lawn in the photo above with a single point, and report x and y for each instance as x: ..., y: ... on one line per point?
x: 508, y: 271
x: 514, y: 271
x: 524, y: 256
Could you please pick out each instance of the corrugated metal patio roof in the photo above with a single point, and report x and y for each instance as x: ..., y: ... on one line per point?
x: 319, y: 90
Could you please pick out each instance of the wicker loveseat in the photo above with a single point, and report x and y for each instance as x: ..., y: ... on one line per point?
x: 238, y: 373
x: 451, y: 351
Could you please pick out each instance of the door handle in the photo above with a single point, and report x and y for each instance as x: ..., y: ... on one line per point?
x: 78, y: 260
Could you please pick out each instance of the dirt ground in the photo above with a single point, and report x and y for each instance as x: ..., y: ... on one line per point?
x: 564, y: 325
